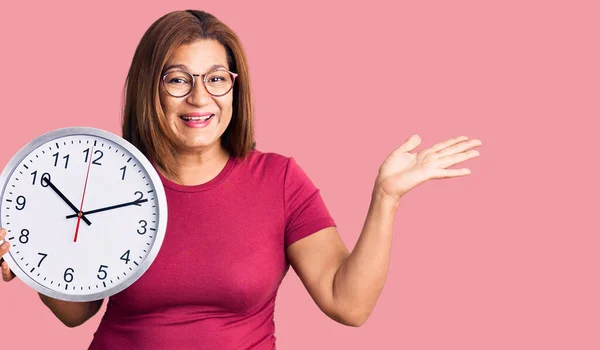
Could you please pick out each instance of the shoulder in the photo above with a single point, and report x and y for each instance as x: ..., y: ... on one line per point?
x: 270, y: 162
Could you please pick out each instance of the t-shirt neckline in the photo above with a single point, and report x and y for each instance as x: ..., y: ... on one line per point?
x: 231, y: 162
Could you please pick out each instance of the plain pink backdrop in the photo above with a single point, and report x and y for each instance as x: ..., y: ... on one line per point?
x: 506, y: 258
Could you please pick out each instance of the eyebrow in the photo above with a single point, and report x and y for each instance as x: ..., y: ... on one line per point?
x: 183, y: 67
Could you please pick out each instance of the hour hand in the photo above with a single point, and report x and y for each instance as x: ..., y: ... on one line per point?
x: 61, y: 195
x: 135, y: 202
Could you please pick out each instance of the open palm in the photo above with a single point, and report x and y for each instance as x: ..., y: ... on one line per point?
x: 404, y: 169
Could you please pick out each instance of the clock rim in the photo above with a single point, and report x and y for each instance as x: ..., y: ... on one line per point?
x: 161, y: 200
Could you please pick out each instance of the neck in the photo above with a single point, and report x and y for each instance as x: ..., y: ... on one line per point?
x: 195, y: 167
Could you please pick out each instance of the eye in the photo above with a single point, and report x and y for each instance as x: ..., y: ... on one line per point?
x: 177, y: 81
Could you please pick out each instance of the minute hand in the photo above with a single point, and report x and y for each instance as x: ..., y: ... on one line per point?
x: 135, y: 202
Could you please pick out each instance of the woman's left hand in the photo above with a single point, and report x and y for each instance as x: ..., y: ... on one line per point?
x: 403, y: 170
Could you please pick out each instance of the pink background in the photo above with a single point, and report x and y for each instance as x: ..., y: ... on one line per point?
x: 506, y: 258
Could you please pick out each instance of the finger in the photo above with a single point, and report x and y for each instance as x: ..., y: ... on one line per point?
x: 2, y: 233
x: 447, y: 173
x: 440, y: 146
x: 454, y: 159
x: 7, y: 275
x: 410, y: 144
x: 459, y: 147
x: 4, y: 248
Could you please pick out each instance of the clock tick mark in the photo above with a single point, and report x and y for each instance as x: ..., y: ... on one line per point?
x: 128, y: 160
x: 95, y: 141
x: 43, y: 152
x: 134, y: 165
x: 32, y: 269
x: 104, y: 283
x: 136, y: 264
x: 37, y: 156
x: 9, y: 200
x: 20, y: 172
x: 150, y: 191
x: 25, y: 165
x: 66, y: 286
x: 57, y: 145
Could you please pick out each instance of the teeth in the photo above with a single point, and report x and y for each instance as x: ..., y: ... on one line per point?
x: 196, y: 118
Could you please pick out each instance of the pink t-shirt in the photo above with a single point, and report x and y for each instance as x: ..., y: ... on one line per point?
x: 214, y: 281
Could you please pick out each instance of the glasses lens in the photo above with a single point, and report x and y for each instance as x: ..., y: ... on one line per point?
x: 178, y: 83
x: 218, y: 82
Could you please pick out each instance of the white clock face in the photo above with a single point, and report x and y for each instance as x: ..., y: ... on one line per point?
x: 85, y: 213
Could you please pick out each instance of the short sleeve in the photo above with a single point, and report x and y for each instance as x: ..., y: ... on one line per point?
x: 304, y: 208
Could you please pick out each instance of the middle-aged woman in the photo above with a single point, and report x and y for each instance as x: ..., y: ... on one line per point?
x: 238, y: 217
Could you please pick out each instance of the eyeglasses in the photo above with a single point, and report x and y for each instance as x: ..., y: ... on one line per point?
x: 180, y: 83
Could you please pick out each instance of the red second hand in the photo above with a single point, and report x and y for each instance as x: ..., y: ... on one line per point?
x: 83, y: 196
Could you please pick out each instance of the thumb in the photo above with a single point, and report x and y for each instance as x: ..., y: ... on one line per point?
x: 410, y: 144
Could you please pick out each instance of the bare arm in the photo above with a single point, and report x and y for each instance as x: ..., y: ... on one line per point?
x: 346, y: 286
x: 72, y: 314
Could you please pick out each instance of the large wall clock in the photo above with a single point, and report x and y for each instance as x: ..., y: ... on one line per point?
x: 85, y: 211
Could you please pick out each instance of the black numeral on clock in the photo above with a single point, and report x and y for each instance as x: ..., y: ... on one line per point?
x: 21, y: 201
x: 125, y: 257
x: 43, y: 181
x: 24, y: 237
x: 96, y: 152
x: 101, y: 272
x: 66, y: 158
x: 69, y: 275
x: 144, y: 224
x: 42, y: 259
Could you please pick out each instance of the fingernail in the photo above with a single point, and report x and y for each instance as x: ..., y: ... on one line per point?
x: 5, y: 245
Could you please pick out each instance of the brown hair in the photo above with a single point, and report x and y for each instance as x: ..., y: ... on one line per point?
x: 144, y: 122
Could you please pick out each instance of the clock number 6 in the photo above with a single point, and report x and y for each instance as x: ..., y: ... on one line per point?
x: 69, y: 275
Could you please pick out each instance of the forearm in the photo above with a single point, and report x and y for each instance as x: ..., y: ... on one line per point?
x: 360, y: 279
x: 71, y: 314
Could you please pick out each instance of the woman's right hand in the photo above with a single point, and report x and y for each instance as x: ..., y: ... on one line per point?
x: 7, y: 274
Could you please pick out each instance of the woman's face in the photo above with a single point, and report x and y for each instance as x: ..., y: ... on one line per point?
x: 186, y: 115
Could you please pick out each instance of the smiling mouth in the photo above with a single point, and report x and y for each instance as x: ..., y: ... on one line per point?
x: 196, y: 119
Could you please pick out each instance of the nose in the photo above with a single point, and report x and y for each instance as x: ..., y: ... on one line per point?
x: 199, y: 96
